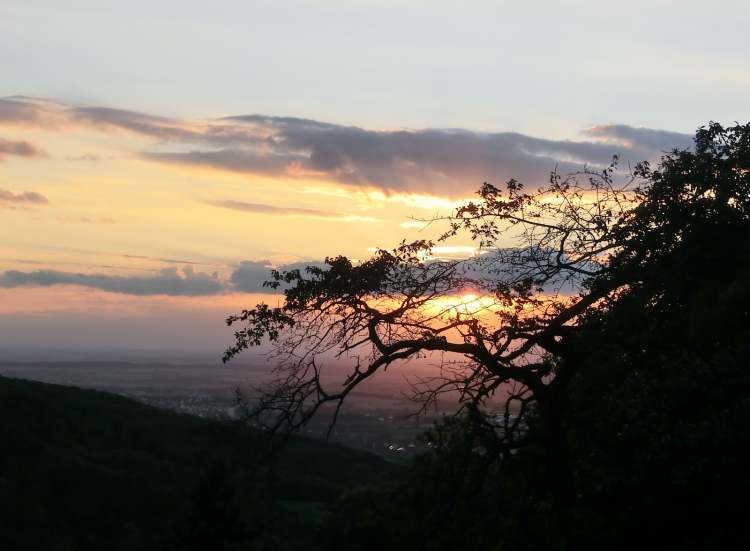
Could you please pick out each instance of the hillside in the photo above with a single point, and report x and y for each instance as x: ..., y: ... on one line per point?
x: 83, y: 469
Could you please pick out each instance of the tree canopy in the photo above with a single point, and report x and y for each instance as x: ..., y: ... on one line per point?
x: 610, y: 305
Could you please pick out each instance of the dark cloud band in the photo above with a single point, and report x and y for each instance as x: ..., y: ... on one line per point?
x: 247, y: 277
x: 169, y: 281
x: 442, y: 161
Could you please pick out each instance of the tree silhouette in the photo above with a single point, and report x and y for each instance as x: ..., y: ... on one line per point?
x: 213, y: 519
x: 510, y: 318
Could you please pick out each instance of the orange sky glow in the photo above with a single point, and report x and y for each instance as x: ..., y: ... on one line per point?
x: 111, y: 214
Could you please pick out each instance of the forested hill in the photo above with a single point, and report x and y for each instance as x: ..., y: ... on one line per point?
x: 82, y: 469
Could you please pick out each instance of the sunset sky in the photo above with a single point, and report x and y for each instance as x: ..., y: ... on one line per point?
x: 156, y: 158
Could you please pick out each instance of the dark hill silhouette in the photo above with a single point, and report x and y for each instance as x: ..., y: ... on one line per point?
x: 83, y: 469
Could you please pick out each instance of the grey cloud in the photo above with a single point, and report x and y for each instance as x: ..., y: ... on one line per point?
x: 26, y: 197
x: 157, y: 127
x: 235, y: 160
x: 260, y: 208
x: 24, y: 110
x: 44, y: 113
x: 20, y: 149
x: 643, y: 139
x: 165, y: 128
x: 247, y: 277
x: 445, y: 161
x: 169, y: 281
x: 250, y: 275
x: 271, y: 121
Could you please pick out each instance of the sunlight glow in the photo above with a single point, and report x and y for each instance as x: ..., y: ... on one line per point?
x: 469, y: 303
x: 445, y: 251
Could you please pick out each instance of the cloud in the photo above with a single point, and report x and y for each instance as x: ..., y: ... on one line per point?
x: 250, y: 275
x: 24, y: 197
x: 427, y: 161
x: 24, y: 110
x: 260, y: 208
x: 442, y: 161
x: 165, y: 129
x: 162, y: 128
x: 89, y: 157
x: 166, y: 260
x: 247, y: 277
x: 20, y: 149
x: 169, y: 281
x: 87, y: 219
x: 233, y: 160
x: 450, y: 162
x: 643, y: 139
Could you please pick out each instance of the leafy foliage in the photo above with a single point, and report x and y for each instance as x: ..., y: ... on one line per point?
x: 619, y: 324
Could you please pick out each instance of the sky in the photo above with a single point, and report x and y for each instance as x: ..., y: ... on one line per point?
x: 157, y: 158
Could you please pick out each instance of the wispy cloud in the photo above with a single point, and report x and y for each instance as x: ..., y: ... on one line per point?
x: 22, y: 198
x: 87, y: 219
x: 260, y: 208
x: 163, y: 128
x: 88, y: 157
x: 165, y: 260
x: 29, y: 111
x: 643, y: 139
x: 19, y: 149
x: 269, y: 209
